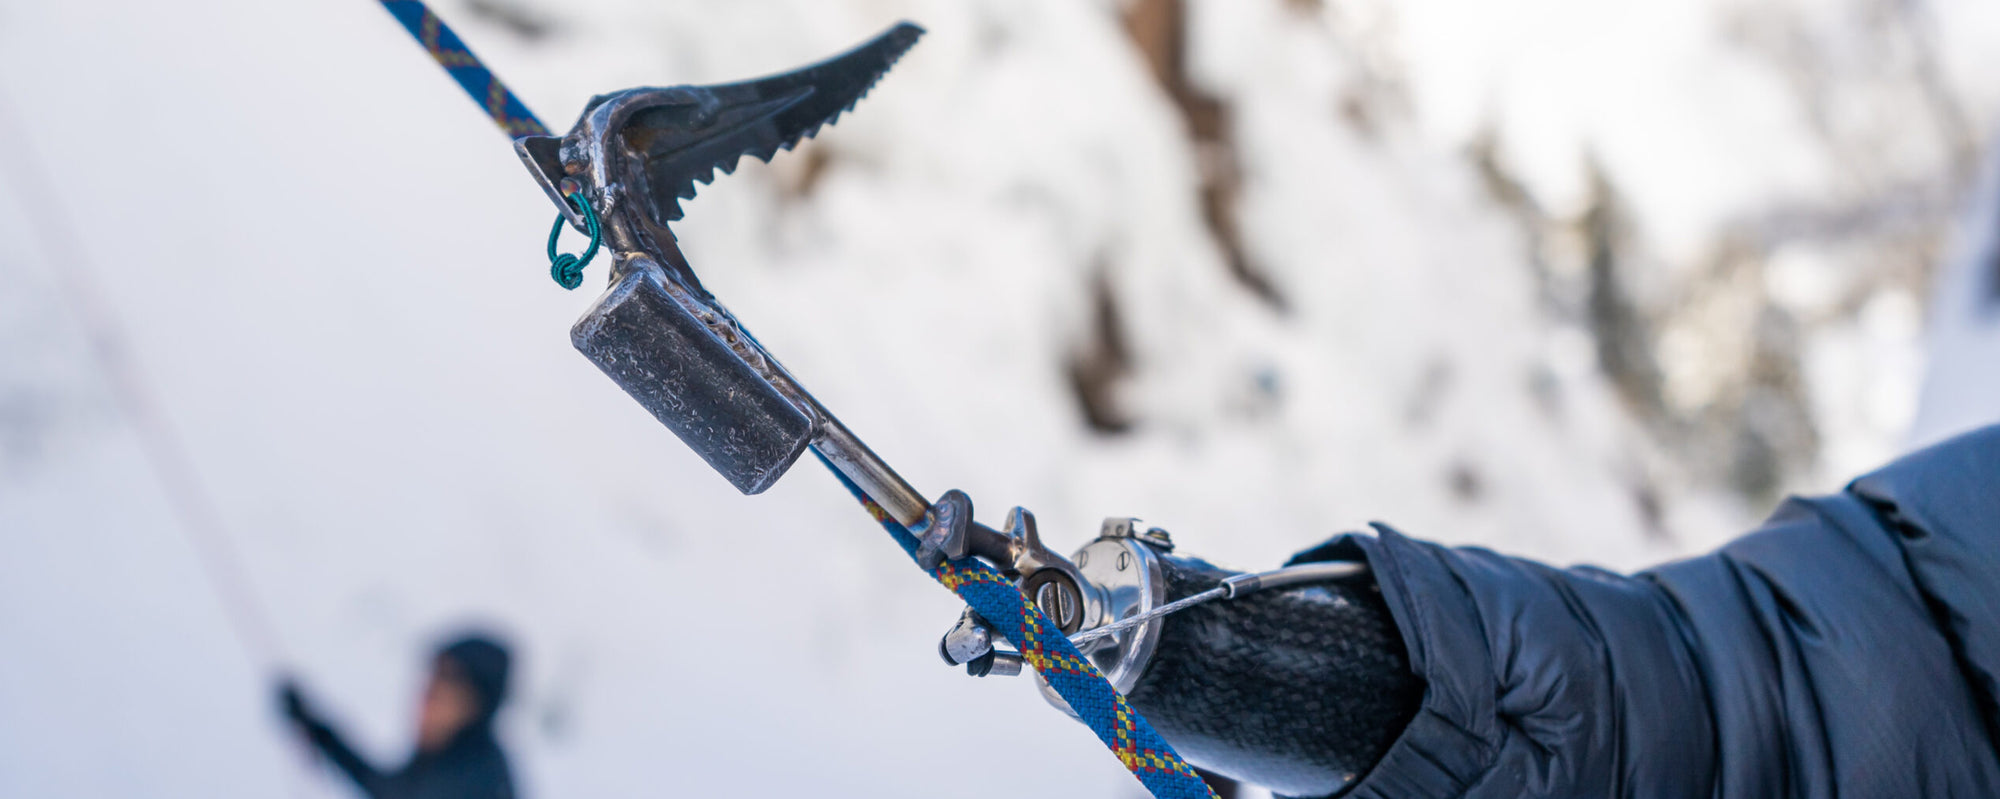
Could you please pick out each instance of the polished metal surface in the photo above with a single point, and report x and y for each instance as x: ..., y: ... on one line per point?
x: 1051, y: 581
x: 1231, y: 588
x: 543, y: 155
x: 1121, y: 578
x: 1301, y: 574
x: 1087, y: 639
x: 968, y: 640
x: 1003, y: 664
x: 868, y: 471
x: 945, y: 532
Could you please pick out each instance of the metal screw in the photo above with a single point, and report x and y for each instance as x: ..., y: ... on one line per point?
x: 1053, y: 600
x: 1124, y: 560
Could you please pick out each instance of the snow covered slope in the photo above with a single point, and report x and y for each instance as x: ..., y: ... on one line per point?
x: 326, y: 269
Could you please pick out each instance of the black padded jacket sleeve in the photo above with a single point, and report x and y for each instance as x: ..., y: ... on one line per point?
x: 1846, y: 648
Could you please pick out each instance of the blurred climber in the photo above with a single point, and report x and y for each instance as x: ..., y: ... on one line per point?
x: 457, y: 756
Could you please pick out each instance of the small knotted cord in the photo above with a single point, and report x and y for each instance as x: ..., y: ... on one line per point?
x: 567, y: 269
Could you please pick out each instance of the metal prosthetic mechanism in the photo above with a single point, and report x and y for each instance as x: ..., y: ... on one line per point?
x: 1293, y: 679
x: 1167, y: 632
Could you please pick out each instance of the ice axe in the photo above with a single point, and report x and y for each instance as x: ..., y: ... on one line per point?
x: 1089, y: 625
x: 633, y: 156
x: 627, y: 164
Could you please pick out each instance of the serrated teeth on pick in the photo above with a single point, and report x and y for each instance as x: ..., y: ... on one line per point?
x: 765, y: 151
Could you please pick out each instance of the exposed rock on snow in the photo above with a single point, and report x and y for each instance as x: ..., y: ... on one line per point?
x: 1584, y: 281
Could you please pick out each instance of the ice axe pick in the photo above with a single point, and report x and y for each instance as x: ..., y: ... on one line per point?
x: 634, y: 156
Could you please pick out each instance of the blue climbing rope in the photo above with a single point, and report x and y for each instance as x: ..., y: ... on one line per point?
x: 1041, y: 643
x: 507, y: 111
x: 1044, y: 647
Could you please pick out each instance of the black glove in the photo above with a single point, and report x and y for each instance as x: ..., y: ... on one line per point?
x: 292, y: 703
x: 1299, y: 690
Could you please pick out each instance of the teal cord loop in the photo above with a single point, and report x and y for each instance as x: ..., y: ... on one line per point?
x: 567, y: 269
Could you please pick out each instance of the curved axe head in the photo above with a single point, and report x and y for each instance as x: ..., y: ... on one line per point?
x: 634, y: 155
x: 668, y: 139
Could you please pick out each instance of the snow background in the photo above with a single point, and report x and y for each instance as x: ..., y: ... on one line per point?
x: 324, y: 268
